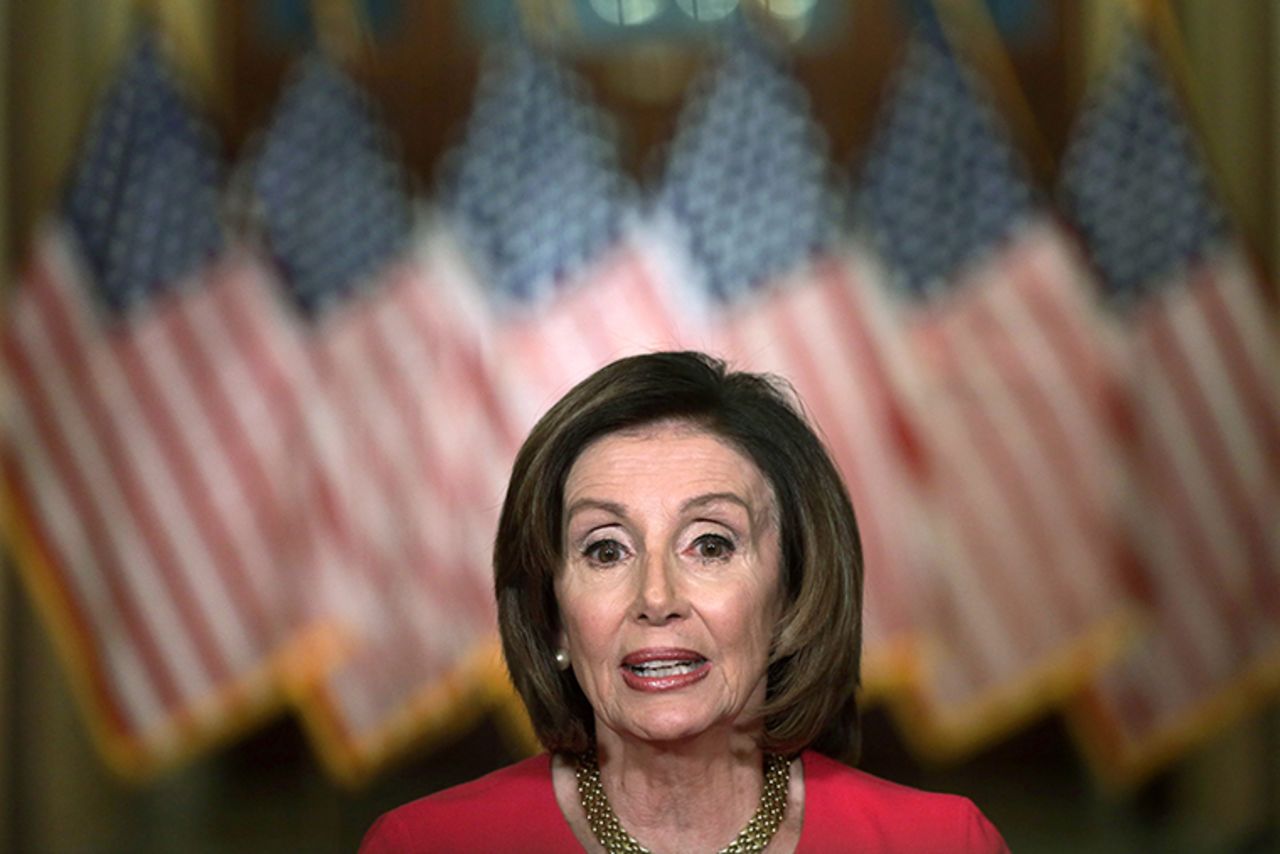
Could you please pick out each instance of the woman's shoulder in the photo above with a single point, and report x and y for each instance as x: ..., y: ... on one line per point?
x: 849, y: 809
x: 513, y: 803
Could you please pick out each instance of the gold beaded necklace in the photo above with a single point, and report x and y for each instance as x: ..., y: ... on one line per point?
x: 610, y: 833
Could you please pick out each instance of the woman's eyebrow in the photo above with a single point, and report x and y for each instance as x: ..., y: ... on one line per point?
x: 594, y: 504
x: 713, y: 498
x: 761, y: 517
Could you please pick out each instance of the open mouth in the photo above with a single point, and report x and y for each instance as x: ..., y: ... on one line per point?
x: 659, y: 669
x: 663, y: 669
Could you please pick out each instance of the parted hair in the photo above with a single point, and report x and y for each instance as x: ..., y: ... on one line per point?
x: 814, y: 659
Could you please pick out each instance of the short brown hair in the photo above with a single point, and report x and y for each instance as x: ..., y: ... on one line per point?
x: 814, y: 658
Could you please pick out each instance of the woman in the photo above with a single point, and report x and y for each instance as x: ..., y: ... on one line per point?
x: 679, y: 587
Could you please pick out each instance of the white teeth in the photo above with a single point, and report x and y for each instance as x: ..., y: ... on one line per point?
x: 656, y: 669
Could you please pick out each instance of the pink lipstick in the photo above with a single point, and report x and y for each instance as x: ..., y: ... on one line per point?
x: 663, y: 669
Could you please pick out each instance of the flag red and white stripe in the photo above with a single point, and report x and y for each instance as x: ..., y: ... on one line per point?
x: 403, y: 500
x: 619, y: 305
x: 148, y: 452
x: 1204, y: 371
x: 1017, y: 416
x: 1201, y: 350
x: 830, y: 332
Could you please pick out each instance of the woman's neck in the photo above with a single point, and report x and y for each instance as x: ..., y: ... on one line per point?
x: 694, y: 795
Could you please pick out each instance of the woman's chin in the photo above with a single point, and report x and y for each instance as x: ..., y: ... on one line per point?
x: 681, y: 716
x: 671, y: 726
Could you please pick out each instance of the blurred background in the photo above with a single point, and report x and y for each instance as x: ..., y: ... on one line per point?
x: 228, y: 223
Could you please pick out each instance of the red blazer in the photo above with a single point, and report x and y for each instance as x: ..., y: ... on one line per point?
x: 515, y: 809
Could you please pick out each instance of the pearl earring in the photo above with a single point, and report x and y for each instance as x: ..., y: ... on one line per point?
x: 562, y: 659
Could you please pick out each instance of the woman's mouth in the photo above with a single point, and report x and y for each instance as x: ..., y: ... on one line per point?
x: 663, y: 670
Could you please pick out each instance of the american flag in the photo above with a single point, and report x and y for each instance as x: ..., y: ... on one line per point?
x: 1203, y: 363
x: 547, y: 231
x: 539, y: 244
x: 1014, y: 405
x: 146, y: 450
x: 400, y: 523
x: 748, y: 192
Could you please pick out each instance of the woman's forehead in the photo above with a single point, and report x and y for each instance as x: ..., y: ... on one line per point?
x: 654, y: 442
x: 669, y: 458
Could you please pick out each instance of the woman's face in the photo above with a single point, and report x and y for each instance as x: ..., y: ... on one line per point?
x: 670, y: 586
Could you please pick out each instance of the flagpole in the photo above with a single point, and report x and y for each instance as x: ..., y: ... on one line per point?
x: 1166, y: 34
x: 969, y: 20
x: 1157, y: 19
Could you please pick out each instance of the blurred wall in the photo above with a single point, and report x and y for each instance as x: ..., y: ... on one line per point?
x: 47, y: 79
x: 56, y: 794
x: 7, y: 634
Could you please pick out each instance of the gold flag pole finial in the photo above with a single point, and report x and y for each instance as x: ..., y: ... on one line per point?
x: 340, y: 31
x: 547, y: 21
x: 185, y: 28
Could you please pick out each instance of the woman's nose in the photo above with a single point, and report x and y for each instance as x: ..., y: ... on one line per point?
x: 659, y: 598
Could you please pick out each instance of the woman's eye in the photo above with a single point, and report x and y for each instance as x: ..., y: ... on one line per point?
x: 605, y: 551
x: 713, y: 547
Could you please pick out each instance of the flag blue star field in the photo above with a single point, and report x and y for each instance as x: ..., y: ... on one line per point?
x: 547, y: 225
x: 1014, y: 392
x: 748, y: 192
x: 748, y: 177
x: 146, y: 442
x: 535, y: 146
x: 333, y: 215
x: 116, y: 204
x: 1203, y: 363
x: 400, y: 520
